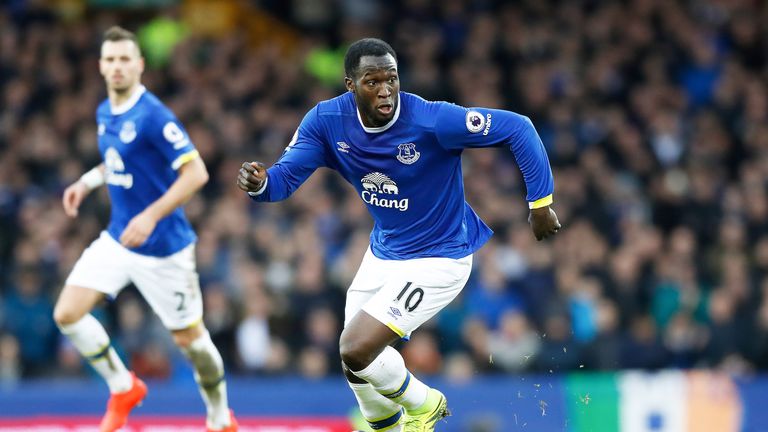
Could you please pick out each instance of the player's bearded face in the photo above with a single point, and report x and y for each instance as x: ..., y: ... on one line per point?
x: 377, y: 89
x: 121, y: 65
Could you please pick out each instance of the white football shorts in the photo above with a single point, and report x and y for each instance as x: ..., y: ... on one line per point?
x: 404, y: 294
x: 169, y: 284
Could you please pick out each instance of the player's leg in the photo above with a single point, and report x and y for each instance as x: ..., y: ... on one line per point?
x: 72, y: 315
x: 366, y: 351
x: 196, y: 344
x: 170, y: 286
x: 381, y: 413
x: 417, y: 291
x: 102, y: 269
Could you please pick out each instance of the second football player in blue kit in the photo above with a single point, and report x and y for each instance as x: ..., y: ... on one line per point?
x: 151, y: 168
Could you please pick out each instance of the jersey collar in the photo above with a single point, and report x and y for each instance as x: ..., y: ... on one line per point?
x: 125, y: 106
x: 386, y: 126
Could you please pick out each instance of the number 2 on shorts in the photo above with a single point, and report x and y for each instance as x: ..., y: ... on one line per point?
x: 181, y: 297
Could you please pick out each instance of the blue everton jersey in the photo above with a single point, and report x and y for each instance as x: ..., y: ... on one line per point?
x: 408, y: 172
x: 143, y: 144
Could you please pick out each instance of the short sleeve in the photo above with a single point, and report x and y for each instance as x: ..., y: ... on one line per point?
x: 168, y: 135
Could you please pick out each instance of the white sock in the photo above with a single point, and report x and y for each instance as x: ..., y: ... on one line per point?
x: 379, y: 411
x: 90, y: 338
x: 388, y: 375
x: 209, y: 374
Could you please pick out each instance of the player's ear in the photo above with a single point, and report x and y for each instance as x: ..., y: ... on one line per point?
x: 349, y: 84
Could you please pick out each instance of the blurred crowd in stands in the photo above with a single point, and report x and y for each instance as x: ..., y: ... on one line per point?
x: 654, y: 114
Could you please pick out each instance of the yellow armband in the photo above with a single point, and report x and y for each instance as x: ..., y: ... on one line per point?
x: 541, y: 202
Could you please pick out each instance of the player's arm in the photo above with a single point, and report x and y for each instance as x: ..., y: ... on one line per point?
x: 192, y: 176
x: 457, y: 128
x: 303, y: 155
x: 75, y: 193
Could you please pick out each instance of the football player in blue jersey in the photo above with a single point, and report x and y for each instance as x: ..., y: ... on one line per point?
x: 151, y: 169
x: 403, y: 156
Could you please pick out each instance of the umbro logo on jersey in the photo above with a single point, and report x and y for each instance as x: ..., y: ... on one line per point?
x: 376, y: 184
x: 407, y: 154
x: 342, y: 146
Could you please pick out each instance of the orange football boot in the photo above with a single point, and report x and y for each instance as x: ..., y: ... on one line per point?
x: 232, y: 424
x: 121, y: 404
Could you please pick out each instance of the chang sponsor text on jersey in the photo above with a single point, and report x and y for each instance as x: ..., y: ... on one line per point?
x: 378, y: 190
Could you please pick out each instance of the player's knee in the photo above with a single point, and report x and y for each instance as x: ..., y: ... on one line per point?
x: 184, y: 338
x: 63, y: 315
x: 351, y: 356
x: 354, y: 353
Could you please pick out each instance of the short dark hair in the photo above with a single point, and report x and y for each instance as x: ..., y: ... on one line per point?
x: 117, y: 33
x: 365, y: 47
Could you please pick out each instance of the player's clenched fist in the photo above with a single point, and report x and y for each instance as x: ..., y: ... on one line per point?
x: 251, y: 176
x: 543, y: 222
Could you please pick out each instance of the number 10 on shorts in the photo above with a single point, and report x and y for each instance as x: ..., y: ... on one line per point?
x: 414, y: 298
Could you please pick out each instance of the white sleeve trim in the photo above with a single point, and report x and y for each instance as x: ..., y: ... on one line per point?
x: 260, y: 191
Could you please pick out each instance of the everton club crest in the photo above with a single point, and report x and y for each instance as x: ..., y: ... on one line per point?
x: 407, y: 153
x: 128, y: 132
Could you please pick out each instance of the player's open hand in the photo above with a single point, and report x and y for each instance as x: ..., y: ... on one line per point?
x: 543, y: 222
x: 251, y: 176
x: 138, y: 230
x: 73, y: 197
